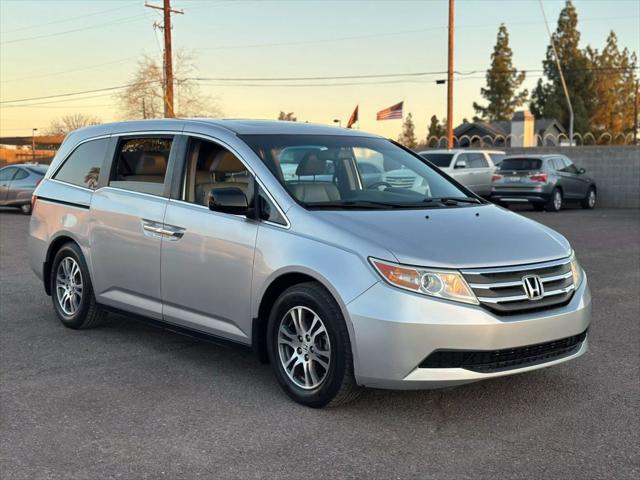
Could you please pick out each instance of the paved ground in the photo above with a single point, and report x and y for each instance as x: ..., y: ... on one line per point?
x: 130, y: 401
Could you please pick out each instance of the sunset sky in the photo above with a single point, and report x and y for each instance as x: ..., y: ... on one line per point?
x: 57, y: 46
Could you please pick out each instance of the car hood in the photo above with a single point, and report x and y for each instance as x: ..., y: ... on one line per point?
x: 453, y: 237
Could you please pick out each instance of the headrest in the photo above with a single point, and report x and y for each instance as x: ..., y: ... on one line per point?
x: 151, y: 164
x: 391, y: 164
x: 203, y: 176
x: 311, y: 164
x: 226, y: 162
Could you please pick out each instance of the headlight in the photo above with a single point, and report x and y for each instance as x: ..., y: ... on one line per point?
x: 445, y: 284
x: 576, y: 270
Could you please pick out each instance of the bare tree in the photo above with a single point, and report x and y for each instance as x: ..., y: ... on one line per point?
x: 144, y: 97
x: 68, y: 123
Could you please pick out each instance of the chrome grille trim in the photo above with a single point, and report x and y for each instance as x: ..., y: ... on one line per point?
x: 501, y: 289
x: 488, y: 286
x: 518, y: 268
x: 519, y: 298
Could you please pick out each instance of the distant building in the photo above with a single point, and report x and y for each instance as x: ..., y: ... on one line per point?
x: 521, y: 131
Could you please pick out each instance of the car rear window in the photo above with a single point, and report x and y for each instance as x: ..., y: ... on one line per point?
x: 39, y: 169
x: 521, y: 164
x: 438, y: 159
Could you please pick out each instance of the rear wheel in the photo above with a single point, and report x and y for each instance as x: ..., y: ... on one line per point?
x: 26, y: 208
x: 555, y: 201
x: 72, y: 291
x: 309, y: 347
x: 589, y: 201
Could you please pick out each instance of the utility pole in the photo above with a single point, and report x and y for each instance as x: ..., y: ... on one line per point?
x: 33, y: 144
x: 564, y: 84
x: 450, y: 79
x: 168, y: 56
x: 635, y: 115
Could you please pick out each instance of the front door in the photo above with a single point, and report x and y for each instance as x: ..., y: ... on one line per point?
x: 207, y: 264
x: 126, y: 228
x: 575, y: 184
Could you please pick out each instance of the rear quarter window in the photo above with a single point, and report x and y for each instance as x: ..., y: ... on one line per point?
x: 82, y: 167
x: 521, y: 164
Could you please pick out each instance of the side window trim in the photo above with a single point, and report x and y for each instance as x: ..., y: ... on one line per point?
x: 180, y: 173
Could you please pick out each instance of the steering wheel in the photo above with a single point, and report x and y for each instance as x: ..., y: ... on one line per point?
x: 381, y: 183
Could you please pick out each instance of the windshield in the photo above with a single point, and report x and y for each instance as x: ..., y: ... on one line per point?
x: 438, y: 159
x: 521, y: 164
x: 336, y: 171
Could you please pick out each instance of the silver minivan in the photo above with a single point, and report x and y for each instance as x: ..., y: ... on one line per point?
x: 337, y: 282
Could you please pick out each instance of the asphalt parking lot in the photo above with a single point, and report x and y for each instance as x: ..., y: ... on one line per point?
x: 130, y: 401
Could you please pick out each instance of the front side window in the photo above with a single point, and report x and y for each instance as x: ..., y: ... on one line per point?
x: 336, y: 171
x: 141, y: 165
x: 569, y: 167
x: 210, y: 166
x: 82, y: 167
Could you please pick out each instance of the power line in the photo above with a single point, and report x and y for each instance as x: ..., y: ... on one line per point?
x: 68, y: 19
x: 54, y: 74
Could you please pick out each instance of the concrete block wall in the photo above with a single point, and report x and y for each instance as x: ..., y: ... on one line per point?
x: 616, y: 170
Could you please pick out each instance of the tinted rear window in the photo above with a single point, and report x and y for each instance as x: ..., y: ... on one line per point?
x: 521, y: 164
x: 82, y: 167
x: 438, y: 159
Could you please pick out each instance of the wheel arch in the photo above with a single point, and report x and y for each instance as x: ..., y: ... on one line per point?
x: 54, y: 246
x: 276, y: 286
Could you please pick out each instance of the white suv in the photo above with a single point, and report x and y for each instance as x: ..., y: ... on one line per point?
x: 472, y: 168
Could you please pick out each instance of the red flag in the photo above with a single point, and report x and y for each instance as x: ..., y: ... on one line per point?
x: 353, y: 118
x: 394, y: 111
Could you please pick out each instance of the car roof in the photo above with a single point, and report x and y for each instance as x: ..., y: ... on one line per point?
x: 25, y: 165
x: 237, y: 126
x: 544, y: 156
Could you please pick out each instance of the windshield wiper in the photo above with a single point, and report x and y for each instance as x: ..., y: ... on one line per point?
x: 354, y: 204
x: 452, y: 200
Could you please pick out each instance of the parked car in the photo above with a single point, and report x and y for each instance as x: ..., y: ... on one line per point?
x: 17, y: 183
x: 544, y: 181
x: 192, y: 224
x: 472, y: 168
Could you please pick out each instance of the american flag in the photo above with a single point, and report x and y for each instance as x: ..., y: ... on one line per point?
x: 394, y: 111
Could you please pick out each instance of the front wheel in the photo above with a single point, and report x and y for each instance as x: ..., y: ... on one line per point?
x: 26, y: 208
x: 309, y: 347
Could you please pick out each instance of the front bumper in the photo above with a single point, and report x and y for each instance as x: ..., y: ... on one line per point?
x: 394, y: 331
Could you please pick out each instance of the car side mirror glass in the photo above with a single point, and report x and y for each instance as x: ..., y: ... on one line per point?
x: 228, y: 200
x: 581, y: 171
x: 461, y: 164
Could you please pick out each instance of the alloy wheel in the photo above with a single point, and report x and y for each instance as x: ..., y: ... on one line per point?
x: 304, y: 348
x: 557, y: 200
x: 69, y: 286
x: 592, y: 198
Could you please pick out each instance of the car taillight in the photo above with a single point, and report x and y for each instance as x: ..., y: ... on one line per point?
x: 495, y: 178
x: 539, y: 177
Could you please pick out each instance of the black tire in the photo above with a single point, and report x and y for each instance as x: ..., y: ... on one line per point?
x: 26, y: 208
x: 555, y: 201
x: 538, y: 207
x: 338, y: 386
x: 88, y: 313
x: 589, y: 202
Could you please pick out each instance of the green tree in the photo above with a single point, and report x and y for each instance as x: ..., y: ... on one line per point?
x: 408, y: 135
x: 548, y: 98
x: 503, y: 82
x: 614, y: 87
x: 436, y: 131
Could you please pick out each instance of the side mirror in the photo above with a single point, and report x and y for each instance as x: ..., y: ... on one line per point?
x: 581, y: 171
x: 228, y: 200
x: 461, y: 164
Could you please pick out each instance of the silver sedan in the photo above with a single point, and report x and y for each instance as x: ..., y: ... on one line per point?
x: 17, y: 183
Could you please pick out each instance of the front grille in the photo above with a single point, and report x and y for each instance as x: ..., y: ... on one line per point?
x: 487, y: 361
x: 501, y: 290
x: 401, y: 182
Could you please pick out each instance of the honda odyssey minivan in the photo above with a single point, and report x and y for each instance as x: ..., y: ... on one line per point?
x: 336, y: 282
